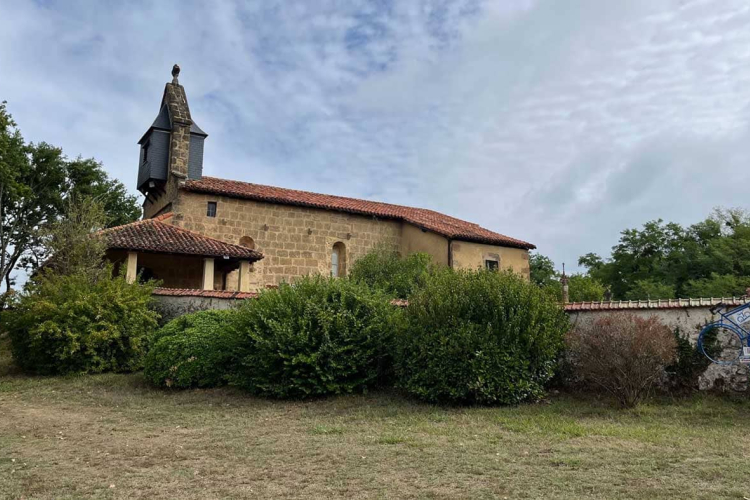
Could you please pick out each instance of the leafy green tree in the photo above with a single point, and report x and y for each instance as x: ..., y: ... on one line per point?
x: 542, y: 269
x: 31, y: 195
x: 718, y: 285
x: 585, y: 288
x: 35, y: 182
x: 69, y: 243
x: 650, y: 289
x: 663, y: 260
x: 87, y: 178
x: 581, y: 287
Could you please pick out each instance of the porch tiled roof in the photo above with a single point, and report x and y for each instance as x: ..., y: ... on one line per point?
x: 426, y: 219
x: 155, y: 235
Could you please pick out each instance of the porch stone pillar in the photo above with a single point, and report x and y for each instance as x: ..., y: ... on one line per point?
x: 245, y: 276
x: 208, y: 273
x: 131, y: 272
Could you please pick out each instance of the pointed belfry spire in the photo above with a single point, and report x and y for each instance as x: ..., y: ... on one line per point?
x: 179, y: 113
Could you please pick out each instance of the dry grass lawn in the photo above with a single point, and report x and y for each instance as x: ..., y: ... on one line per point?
x: 111, y: 436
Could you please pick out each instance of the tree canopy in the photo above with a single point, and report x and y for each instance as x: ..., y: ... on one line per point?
x: 36, y: 183
x: 666, y: 260
x: 581, y: 287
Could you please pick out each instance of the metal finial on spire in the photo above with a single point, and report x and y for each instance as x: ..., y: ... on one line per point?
x: 175, y: 73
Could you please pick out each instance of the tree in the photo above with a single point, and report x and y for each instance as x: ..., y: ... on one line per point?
x: 650, y: 289
x: 69, y: 240
x: 31, y: 194
x: 581, y: 287
x: 664, y: 260
x: 718, y: 285
x: 87, y: 178
x: 542, y: 269
x: 36, y: 180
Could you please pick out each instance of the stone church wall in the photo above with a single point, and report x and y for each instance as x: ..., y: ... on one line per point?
x: 294, y: 240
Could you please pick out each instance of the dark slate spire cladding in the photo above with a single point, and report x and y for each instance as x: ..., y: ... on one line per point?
x: 173, y: 145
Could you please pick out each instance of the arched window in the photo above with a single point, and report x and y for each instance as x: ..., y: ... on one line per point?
x: 338, y: 260
x: 247, y: 242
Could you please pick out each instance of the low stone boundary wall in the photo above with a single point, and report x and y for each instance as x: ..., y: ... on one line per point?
x: 174, y: 302
x: 687, y: 315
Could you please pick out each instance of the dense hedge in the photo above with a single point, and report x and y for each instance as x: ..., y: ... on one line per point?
x: 195, y: 350
x: 384, y: 269
x: 479, y: 337
x: 76, y: 324
x: 316, y: 337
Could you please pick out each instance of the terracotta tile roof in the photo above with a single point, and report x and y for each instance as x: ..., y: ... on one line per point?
x: 652, y: 304
x: 426, y: 219
x: 155, y: 235
x: 214, y: 294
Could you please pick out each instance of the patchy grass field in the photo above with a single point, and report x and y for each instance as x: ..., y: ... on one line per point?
x: 111, y: 436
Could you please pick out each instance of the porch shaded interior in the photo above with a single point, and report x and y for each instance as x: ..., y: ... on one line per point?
x: 180, y: 271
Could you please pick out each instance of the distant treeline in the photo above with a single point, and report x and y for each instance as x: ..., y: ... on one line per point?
x: 663, y: 260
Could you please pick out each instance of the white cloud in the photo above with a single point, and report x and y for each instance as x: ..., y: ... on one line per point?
x: 557, y: 122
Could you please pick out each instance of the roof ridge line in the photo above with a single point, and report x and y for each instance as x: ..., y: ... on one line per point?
x: 322, y: 194
x: 425, y: 218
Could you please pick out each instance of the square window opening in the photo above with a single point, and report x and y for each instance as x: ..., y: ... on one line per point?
x: 211, y: 209
x: 491, y: 265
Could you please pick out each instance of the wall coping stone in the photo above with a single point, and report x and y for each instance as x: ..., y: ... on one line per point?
x: 615, y: 305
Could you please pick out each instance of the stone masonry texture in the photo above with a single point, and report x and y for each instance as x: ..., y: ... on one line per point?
x: 295, y: 241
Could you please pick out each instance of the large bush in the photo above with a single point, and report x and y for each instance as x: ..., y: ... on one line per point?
x: 622, y: 354
x: 386, y: 270
x: 479, y: 337
x: 81, y: 324
x: 318, y: 336
x: 195, y: 350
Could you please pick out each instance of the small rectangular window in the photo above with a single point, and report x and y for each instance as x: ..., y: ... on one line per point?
x: 491, y: 265
x: 211, y: 209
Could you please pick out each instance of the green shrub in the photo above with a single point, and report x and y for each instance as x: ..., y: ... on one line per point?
x: 316, y: 337
x: 385, y: 270
x: 80, y: 324
x: 479, y: 337
x: 195, y: 350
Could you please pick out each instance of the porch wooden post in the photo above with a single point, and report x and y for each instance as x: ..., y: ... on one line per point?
x: 245, y: 276
x: 131, y: 272
x: 208, y: 273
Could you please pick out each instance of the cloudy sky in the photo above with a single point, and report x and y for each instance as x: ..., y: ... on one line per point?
x: 558, y: 122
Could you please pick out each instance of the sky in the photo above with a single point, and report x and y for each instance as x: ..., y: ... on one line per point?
x: 556, y: 122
